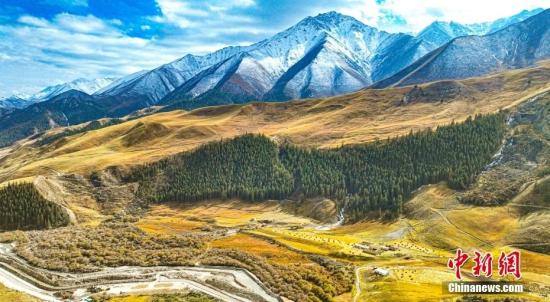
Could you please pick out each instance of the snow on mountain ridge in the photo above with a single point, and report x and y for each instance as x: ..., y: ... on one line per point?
x: 319, y: 56
x: 13, y: 102
x: 81, y: 84
x: 265, y: 67
x: 441, y: 32
x: 158, y: 82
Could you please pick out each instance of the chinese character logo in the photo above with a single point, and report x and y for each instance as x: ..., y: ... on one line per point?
x: 457, y: 262
x: 483, y: 264
x: 509, y: 264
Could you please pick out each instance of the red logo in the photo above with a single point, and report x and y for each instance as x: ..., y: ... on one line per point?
x: 458, y: 262
x: 483, y: 264
x: 509, y: 264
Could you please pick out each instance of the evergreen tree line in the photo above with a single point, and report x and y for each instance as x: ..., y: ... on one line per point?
x: 22, y: 207
x: 246, y: 167
x: 376, y: 177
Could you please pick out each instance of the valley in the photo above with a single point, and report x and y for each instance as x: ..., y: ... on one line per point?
x: 330, y: 162
x: 128, y: 280
x: 364, y: 116
x: 146, y: 248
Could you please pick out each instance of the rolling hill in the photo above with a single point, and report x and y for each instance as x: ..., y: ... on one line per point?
x: 326, y: 55
x: 358, y: 117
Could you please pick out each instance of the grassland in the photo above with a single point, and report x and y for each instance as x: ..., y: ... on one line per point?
x: 7, y: 294
x: 415, y: 248
x: 359, y: 117
x: 170, y: 218
x: 184, y: 297
x: 261, y: 248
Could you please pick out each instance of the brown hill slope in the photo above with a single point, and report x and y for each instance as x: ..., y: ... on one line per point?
x: 353, y: 118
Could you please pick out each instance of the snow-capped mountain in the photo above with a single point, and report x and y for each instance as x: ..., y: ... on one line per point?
x: 13, y: 102
x: 504, y: 22
x: 146, y: 88
x: 84, y: 85
x: 320, y: 56
x: 518, y: 45
x: 440, y: 32
x: 325, y: 55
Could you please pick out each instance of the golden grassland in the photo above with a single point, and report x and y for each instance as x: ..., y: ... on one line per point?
x: 170, y: 218
x: 358, y: 117
x: 190, y: 297
x: 164, y: 219
x: 7, y: 294
x: 131, y: 299
x: 433, y: 226
x: 259, y: 247
x: 424, y: 244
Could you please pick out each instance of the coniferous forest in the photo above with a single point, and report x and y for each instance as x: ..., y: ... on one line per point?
x: 24, y: 208
x: 371, y: 178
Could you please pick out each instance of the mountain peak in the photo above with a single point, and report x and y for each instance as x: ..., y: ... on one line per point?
x: 331, y: 19
x: 331, y: 15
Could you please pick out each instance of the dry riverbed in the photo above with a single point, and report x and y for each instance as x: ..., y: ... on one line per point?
x: 238, y: 285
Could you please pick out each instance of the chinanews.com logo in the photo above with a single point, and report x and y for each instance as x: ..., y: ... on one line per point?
x: 508, y: 264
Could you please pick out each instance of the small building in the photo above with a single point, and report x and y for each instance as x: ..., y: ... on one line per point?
x: 381, y: 271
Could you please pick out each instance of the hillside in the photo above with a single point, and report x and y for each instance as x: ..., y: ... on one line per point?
x: 359, y: 117
x: 326, y: 55
x: 159, y: 217
x: 69, y: 108
x: 24, y: 208
x: 379, y: 176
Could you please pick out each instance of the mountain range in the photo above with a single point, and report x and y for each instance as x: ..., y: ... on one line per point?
x: 81, y: 84
x: 515, y: 46
x: 325, y: 55
x: 441, y: 32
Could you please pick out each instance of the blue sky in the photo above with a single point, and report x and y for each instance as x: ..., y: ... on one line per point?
x: 45, y: 42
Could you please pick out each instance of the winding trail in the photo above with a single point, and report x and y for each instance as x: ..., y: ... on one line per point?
x: 239, y: 285
x: 358, y: 282
x: 12, y: 281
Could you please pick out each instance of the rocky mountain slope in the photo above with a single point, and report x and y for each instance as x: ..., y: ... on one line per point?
x: 325, y: 55
x: 515, y: 46
x: 83, y: 85
x: 441, y: 32
x: 330, y: 54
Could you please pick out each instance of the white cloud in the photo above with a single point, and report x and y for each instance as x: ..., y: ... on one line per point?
x: 36, y: 52
x: 81, y: 24
x: 178, y: 13
x: 186, y: 14
x: 420, y: 13
x: 5, y: 57
x: 225, y: 5
x: 30, y: 20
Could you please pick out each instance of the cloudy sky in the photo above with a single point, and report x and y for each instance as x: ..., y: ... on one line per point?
x: 45, y: 42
